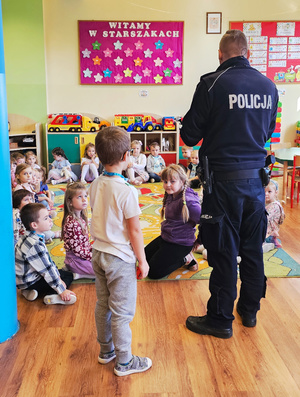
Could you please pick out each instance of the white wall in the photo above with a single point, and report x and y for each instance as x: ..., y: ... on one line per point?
x: 65, y: 94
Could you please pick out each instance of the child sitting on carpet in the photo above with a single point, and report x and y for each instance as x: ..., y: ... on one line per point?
x: 31, y: 159
x: 136, y: 168
x: 36, y: 273
x: 181, y: 209
x: 24, y: 177
x: 89, y: 164
x: 61, y: 168
x: 75, y: 232
x: 20, y: 198
x: 13, y: 166
x: 155, y: 163
x: 275, y: 217
x: 118, y: 245
x: 192, y: 171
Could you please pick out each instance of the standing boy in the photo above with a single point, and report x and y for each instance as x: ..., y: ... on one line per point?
x: 118, y: 243
x: 35, y: 271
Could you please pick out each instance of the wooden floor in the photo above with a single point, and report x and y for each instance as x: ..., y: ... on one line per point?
x: 54, y: 354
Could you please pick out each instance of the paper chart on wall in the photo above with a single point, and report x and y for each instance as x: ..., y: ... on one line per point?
x: 130, y: 52
x: 274, y: 48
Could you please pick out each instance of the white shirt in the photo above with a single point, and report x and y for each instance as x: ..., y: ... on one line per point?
x: 113, y: 201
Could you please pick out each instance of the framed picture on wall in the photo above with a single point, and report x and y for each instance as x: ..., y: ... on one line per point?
x: 213, y: 22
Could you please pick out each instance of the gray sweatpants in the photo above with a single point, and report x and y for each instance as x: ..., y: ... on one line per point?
x: 116, y: 288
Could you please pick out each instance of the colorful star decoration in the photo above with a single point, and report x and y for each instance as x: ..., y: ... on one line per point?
x: 137, y: 78
x: 98, y: 78
x: 118, y: 78
x: 177, y: 63
x: 86, y: 53
x: 128, y: 52
x: 118, y: 45
x: 87, y: 72
x: 158, y: 62
x: 97, y: 60
x: 96, y: 45
x: 107, y: 53
x: 167, y: 72
x: 139, y: 45
x: 158, y: 79
x: 148, y: 53
x: 138, y: 61
x: 147, y: 72
x: 169, y: 53
x: 177, y: 78
x: 131, y: 52
x: 107, y: 72
x: 159, y: 45
x: 127, y: 72
x: 118, y: 61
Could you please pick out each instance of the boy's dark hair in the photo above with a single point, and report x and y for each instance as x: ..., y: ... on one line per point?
x: 18, y: 196
x: 111, y: 145
x: 30, y: 213
x: 59, y: 152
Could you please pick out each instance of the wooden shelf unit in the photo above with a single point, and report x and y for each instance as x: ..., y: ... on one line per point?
x: 23, y: 128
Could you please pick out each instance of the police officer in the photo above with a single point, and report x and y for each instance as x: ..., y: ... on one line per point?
x: 234, y: 111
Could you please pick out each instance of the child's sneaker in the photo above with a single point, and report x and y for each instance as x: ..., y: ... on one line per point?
x: 268, y: 247
x: 56, y: 300
x: 135, y: 365
x: 105, y: 358
x: 29, y: 294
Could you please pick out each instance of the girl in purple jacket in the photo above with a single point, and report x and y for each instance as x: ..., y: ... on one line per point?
x: 181, y: 212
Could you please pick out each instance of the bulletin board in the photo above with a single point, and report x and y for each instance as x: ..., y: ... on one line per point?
x: 274, y: 48
x: 130, y: 52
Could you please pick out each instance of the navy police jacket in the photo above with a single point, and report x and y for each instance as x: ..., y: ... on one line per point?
x: 234, y: 110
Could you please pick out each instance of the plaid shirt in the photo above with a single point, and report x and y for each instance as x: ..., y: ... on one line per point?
x: 32, y: 262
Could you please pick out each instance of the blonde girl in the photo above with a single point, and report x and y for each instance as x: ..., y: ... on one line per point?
x: 181, y: 212
x: 89, y: 164
x: 136, y: 171
x: 31, y: 159
x: 75, y: 232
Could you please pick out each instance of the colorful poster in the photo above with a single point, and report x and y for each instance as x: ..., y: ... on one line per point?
x: 130, y: 52
x: 280, y: 59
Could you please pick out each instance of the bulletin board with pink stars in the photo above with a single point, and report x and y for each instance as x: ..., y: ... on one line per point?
x: 130, y: 52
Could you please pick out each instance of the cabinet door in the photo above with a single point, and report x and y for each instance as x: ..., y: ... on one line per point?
x: 84, y: 140
x: 68, y: 142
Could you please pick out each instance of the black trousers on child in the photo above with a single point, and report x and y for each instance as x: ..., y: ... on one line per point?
x: 164, y: 257
x: 42, y: 287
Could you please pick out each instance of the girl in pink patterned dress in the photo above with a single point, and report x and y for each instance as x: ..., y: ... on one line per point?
x: 75, y: 232
x: 275, y: 216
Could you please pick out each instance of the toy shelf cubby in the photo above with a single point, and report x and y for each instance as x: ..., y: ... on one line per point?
x: 25, y: 135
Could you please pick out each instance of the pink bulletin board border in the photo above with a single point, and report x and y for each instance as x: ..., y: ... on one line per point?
x: 281, y: 61
x: 131, y: 52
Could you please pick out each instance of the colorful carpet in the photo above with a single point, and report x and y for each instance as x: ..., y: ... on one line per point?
x: 277, y: 262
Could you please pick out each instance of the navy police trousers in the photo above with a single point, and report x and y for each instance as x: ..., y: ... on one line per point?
x: 234, y: 222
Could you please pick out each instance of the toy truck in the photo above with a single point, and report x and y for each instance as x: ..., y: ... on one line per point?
x: 168, y: 123
x: 147, y: 123
x: 124, y: 120
x: 72, y: 123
